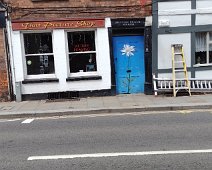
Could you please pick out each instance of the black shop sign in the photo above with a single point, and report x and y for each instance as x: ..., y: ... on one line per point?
x: 133, y: 22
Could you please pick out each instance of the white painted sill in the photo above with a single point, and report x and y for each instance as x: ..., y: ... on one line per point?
x: 81, y: 74
x: 202, y: 65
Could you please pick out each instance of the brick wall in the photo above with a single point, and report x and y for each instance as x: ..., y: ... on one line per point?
x: 26, y: 9
x: 4, y: 94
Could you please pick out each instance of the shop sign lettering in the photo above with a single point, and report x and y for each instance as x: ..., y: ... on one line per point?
x: 82, y: 47
x: 37, y: 25
x: 134, y: 22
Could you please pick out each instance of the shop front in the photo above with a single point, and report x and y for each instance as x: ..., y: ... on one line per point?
x: 61, y: 57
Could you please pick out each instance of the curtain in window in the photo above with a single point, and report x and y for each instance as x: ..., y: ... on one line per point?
x: 201, y: 42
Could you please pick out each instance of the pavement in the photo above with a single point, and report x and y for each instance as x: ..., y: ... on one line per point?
x: 107, y: 104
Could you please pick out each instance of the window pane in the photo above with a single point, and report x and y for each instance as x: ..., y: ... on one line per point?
x: 210, y: 36
x: 200, y: 57
x: 37, y: 43
x: 81, y: 41
x: 210, y: 53
x: 82, y: 62
x: 41, y: 64
x: 201, y: 43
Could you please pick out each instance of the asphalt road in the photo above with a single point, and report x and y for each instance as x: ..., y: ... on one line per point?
x: 108, y: 134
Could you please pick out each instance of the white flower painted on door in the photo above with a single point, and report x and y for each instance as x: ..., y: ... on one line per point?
x: 128, y: 50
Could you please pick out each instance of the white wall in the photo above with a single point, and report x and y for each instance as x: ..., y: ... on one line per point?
x: 176, y: 21
x: 164, y: 49
x: 174, y: 5
x: 61, y: 65
x: 203, y: 19
x: 175, y: 12
x: 17, y: 52
x: 178, y: 13
x: 204, y: 4
x: 204, y: 8
x: 204, y: 74
x: 169, y: 75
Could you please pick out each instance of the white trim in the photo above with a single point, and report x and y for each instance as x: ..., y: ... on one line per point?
x: 35, y: 31
x: 107, y: 22
x: 38, y: 54
x: 40, y: 76
x: 82, y: 52
x: 23, y: 54
x: 185, y: 11
x: 202, y: 65
x: 208, y: 47
x: 81, y: 74
x: 10, y: 42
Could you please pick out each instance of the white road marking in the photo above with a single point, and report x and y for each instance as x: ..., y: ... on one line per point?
x: 11, y: 120
x: 27, y: 121
x: 185, y: 111
x: 119, y: 114
x: 103, y: 115
x: 100, y: 155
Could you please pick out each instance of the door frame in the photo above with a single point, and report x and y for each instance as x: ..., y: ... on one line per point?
x: 137, y: 31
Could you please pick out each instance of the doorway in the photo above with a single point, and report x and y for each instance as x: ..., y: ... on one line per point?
x: 129, y: 64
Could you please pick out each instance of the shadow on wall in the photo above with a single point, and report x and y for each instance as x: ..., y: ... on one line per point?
x: 4, y: 96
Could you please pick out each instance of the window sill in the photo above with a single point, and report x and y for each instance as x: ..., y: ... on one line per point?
x: 44, y: 80
x: 84, y: 78
x: 203, y: 65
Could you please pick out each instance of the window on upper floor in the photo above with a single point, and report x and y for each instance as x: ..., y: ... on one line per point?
x: 203, y: 53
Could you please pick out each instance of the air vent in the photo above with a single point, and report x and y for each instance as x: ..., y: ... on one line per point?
x: 63, y: 96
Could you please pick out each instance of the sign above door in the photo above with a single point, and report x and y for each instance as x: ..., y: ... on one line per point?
x: 128, y: 22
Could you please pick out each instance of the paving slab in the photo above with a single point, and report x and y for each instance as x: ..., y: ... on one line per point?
x: 30, y: 106
x: 107, y: 104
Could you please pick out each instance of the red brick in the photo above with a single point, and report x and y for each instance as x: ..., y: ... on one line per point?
x: 4, y: 93
x: 26, y: 9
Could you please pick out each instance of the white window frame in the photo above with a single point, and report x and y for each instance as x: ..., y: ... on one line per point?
x: 80, y: 74
x: 39, y: 76
x: 208, y: 43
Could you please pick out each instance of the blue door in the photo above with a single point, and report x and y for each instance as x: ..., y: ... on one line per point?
x: 129, y: 64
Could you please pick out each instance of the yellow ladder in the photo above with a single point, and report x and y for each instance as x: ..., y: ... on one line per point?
x: 179, y: 70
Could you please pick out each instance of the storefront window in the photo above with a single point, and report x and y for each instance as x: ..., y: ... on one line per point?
x: 82, y: 51
x: 39, y: 53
